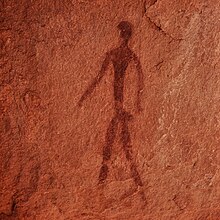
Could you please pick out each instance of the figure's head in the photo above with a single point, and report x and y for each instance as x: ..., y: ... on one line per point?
x: 125, y: 28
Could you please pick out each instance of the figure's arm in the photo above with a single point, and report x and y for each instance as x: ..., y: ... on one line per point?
x: 140, y: 81
x: 97, y: 79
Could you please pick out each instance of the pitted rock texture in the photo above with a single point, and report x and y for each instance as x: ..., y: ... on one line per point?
x: 51, y: 150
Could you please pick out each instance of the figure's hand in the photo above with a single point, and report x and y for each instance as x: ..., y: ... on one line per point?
x: 121, y: 113
x: 83, y: 97
x: 139, y: 108
x: 79, y: 104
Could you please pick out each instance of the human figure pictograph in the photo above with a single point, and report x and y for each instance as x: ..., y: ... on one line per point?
x: 120, y: 57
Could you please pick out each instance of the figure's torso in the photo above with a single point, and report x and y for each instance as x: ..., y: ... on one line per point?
x: 120, y: 58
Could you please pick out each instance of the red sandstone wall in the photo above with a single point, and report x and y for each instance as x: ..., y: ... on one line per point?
x: 51, y: 150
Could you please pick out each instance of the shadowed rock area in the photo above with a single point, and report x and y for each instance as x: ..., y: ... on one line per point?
x: 110, y: 110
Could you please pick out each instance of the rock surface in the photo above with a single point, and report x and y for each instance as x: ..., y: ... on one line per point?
x: 51, y: 150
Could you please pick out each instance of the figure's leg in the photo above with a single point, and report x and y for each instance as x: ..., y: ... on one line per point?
x: 126, y: 140
x: 109, y: 140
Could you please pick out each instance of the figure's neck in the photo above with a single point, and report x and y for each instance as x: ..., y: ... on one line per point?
x: 124, y: 43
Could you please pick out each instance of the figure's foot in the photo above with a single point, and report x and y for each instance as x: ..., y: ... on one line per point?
x: 144, y: 199
x: 136, y: 176
x: 103, y: 174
